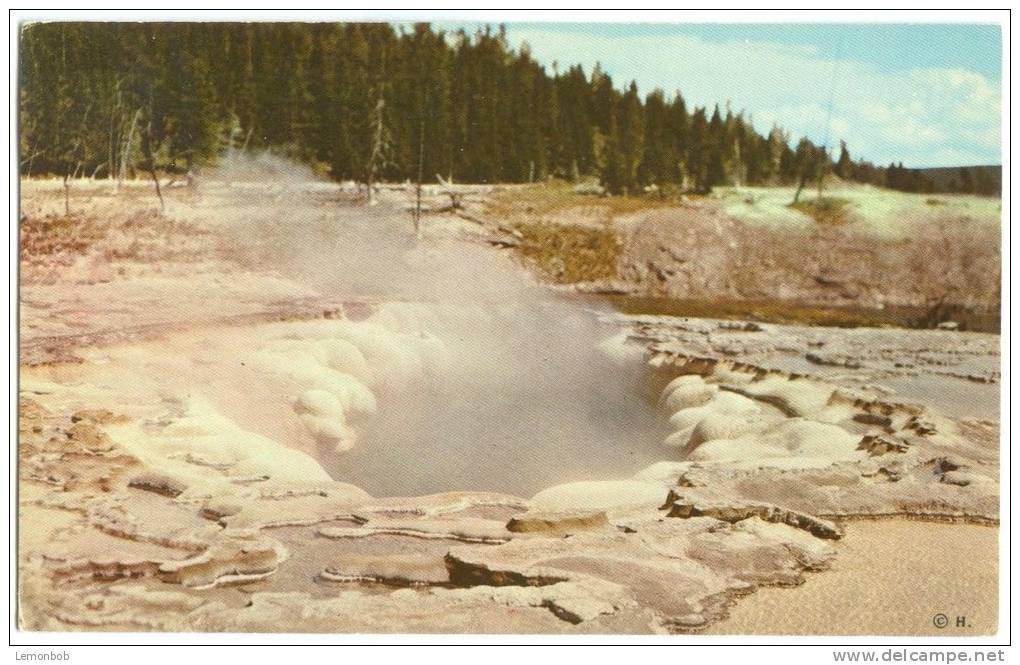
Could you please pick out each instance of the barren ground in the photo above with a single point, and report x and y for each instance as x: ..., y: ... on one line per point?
x: 271, y: 408
x: 888, y: 258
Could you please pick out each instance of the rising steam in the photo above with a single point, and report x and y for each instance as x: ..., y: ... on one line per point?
x: 523, y: 397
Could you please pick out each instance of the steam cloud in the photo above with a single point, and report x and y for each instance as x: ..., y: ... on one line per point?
x: 528, y: 398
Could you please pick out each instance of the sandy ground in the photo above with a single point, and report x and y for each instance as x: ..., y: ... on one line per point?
x: 890, y: 577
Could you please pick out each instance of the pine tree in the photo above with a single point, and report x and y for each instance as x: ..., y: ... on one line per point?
x: 844, y: 166
x: 777, y: 146
x: 89, y: 92
x: 630, y: 139
x: 613, y: 168
x: 657, y: 162
x: 679, y: 127
x: 698, y: 152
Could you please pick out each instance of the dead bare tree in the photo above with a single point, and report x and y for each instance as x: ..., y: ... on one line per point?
x: 421, y: 167
x: 503, y: 235
x: 125, y: 155
x: 150, y: 160
x: 29, y: 160
x: 115, y: 112
x: 455, y: 202
x: 67, y: 196
x: 382, y: 145
x: 823, y: 170
x: 75, y: 157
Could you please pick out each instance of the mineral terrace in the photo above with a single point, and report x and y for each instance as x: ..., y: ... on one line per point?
x: 204, y: 394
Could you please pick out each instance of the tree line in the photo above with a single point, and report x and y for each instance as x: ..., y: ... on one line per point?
x: 369, y: 101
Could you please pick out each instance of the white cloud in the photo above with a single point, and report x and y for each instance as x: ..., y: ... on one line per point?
x: 922, y: 117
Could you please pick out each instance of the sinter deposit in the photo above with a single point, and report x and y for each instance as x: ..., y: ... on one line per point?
x: 233, y: 421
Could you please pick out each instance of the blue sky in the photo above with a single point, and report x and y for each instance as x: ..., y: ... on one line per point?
x: 923, y: 94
